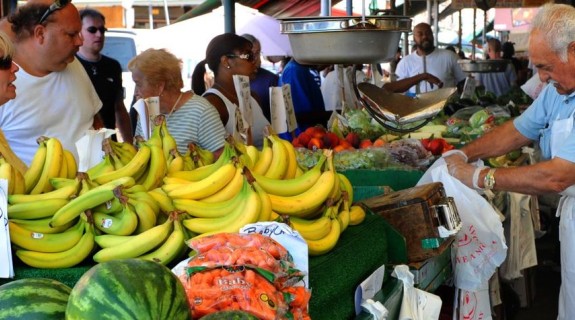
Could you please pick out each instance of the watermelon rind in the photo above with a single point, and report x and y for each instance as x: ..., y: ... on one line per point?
x: 33, y: 299
x: 128, y: 289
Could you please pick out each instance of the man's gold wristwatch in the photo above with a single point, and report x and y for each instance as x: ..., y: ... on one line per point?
x: 489, y: 180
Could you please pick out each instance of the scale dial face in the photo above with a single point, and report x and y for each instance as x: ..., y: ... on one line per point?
x: 485, y: 4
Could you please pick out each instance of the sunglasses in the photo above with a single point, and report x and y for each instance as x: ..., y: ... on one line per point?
x: 57, y: 5
x: 250, y: 57
x: 6, y: 63
x: 93, y: 29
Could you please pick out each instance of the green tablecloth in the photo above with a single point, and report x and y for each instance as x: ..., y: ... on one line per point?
x: 333, y: 277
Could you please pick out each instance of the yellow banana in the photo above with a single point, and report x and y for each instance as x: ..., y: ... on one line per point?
x: 165, y: 203
x: 54, y: 242
x: 279, y: 164
x: 134, y: 168
x: 171, y: 248
x: 202, y: 209
x: 36, y: 209
x: 157, y: 168
x: 146, y: 215
x: 71, y: 163
x: 65, y: 192
x: 292, y: 160
x: 109, y: 207
x: 121, y: 224
x: 156, y: 135
x: 311, y: 229
x: 145, y: 196
x: 32, y: 175
x: 265, y: 158
x: 89, y: 200
x: 346, y: 186
x: 247, y: 212
x: 19, y: 182
x: 124, y: 150
x: 344, y: 218
x: 177, y: 163
x: 253, y: 153
x: 356, y: 215
x: 63, y: 259
x: 307, y: 202
x: 203, y: 172
x: 230, y: 190
x: 327, y: 243
x: 42, y: 225
x: 137, y: 245
x: 291, y: 187
x: 111, y: 240
x: 63, y: 167
x: 205, y: 187
x: 104, y: 166
x: 7, y: 173
x: 188, y: 162
x: 206, y: 156
x: 59, y: 182
x: 168, y: 141
x: 266, y: 203
x: 51, y: 168
x: 298, y: 172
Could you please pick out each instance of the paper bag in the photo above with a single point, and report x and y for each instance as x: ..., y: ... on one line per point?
x: 147, y: 110
x: 416, y: 304
x: 89, y: 148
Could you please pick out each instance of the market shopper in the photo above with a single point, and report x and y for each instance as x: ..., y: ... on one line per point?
x: 189, y: 117
x: 55, y: 96
x: 104, y: 72
x: 227, y: 55
x: 263, y: 80
x: 501, y: 82
x: 549, y: 120
x: 427, y: 58
x: 8, y: 69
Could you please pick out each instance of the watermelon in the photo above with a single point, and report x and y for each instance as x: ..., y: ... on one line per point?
x: 34, y: 299
x: 128, y: 289
x: 229, y: 315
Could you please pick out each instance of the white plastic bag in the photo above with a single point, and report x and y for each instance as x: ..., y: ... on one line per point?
x: 416, y: 304
x: 480, y: 245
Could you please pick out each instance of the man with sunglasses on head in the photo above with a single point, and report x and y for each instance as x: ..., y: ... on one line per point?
x: 55, y: 96
x: 104, y: 72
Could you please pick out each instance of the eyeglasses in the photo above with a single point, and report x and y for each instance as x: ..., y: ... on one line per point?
x: 6, y: 63
x: 93, y: 29
x: 57, y: 5
x: 249, y: 57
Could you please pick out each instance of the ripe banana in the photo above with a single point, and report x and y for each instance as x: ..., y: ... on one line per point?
x: 65, y: 192
x: 311, y: 229
x: 63, y: 167
x: 168, y: 141
x: 124, y: 150
x: 264, y: 159
x: 111, y: 240
x: 109, y: 207
x: 104, y: 166
x: 247, y: 212
x: 279, y: 164
x: 36, y: 210
x: 171, y: 248
x: 42, y: 225
x: 50, y: 242
x: 165, y: 203
x: 157, y: 168
x: 201, y: 173
x: 229, y: 190
x: 145, y: 197
x: 344, y: 218
x: 32, y: 175
x: 292, y: 160
x: 202, y: 209
x: 205, y: 187
x: 156, y: 135
x: 356, y: 215
x: 121, y: 224
x: 63, y: 259
x: 253, y: 153
x: 146, y: 215
x: 89, y: 200
x: 7, y: 173
x: 177, y: 162
x: 266, y: 203
x: 134, y: 168
x: 137, y: 245
x: 19, y: 182
x: 51, y: 168
x: 60, y: 182
x: 71, y: 163
x: 307, y: 202
x: 291, y: 187
x: 327, y: 243
x: 346, y: 186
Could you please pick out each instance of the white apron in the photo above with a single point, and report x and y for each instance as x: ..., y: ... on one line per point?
x: 560, y: 130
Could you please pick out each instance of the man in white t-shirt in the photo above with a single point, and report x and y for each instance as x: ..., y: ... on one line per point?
x: 428, y: 59
x: 55, y: 96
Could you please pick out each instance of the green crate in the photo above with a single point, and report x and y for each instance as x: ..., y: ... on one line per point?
x: 395, y: 179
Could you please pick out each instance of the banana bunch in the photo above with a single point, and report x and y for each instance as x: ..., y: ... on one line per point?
x: 276, y: 160
x: 162, y: 243
x: 15, y: 179
x: 200, y: 156
x: 40, y: 246
x: 50, y: 160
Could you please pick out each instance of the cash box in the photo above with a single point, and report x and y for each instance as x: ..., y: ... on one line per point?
x: 424, y: 215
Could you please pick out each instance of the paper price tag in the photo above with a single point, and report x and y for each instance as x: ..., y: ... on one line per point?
x: 291, y: 120
x: 6, y: 265
x: 278, y: 110
x: 243, y: 91
x: 468, y: 88
x: 152, y: 110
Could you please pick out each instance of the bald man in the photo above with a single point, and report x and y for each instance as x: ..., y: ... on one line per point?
x: 55, y: 97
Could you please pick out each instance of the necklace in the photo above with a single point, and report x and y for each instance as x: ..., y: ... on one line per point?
x: 174, y: 107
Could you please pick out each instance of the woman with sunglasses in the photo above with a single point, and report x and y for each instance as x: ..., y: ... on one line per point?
x: 190, y: 118
x: 8, y: 70
x: 104, y: 72
x: 228, y: 55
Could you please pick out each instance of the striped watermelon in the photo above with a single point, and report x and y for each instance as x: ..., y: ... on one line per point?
x: 128, y: 289
x: 33, y: 299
